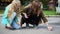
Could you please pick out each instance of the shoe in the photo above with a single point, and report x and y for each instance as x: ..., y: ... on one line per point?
x: 8, y: 28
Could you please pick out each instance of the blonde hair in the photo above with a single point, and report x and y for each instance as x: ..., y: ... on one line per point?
x: 13, y: 6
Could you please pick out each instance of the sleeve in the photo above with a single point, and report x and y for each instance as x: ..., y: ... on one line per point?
x: 43, y: 18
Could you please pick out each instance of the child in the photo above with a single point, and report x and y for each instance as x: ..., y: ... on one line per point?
x: 10, y: 17
x: 32, y: 14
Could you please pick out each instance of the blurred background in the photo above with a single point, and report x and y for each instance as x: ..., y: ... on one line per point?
x: 48, y: 6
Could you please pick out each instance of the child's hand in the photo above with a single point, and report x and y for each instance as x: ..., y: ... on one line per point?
x: 18, y: 23
x: 8, y: 25
x: 49, y: 28
x: 25, y: 15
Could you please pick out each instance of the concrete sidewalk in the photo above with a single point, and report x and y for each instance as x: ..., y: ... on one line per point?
x: 53, y: 21
x: 41, y: 30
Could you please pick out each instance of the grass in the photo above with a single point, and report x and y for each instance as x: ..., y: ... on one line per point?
x: 46, y: 12
x: 1, y: 11
x: 49, y: 12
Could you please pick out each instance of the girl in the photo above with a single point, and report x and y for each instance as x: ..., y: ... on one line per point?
x: 10, y: 17
x: 33, y: 14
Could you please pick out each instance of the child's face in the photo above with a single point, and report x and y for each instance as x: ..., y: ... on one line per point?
x: 35, y: 4
x: 18, y: 5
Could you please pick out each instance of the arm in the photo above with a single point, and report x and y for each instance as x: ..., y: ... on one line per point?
x: 24, y: 12
x: 43, y: 17
x: 46, y: 22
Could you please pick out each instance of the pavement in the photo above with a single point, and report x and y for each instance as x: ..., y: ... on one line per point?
x: 53, y: 21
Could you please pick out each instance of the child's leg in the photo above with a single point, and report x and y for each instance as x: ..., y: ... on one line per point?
x: 22, y: 20
x: 13, y: 21
x: 27, y: 23
x: 36, y: 20
x: 9, y: 20
x: 15, y: 25
x: 12, y: 17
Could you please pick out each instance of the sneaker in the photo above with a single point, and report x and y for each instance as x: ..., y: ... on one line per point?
x: 9, y: 28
